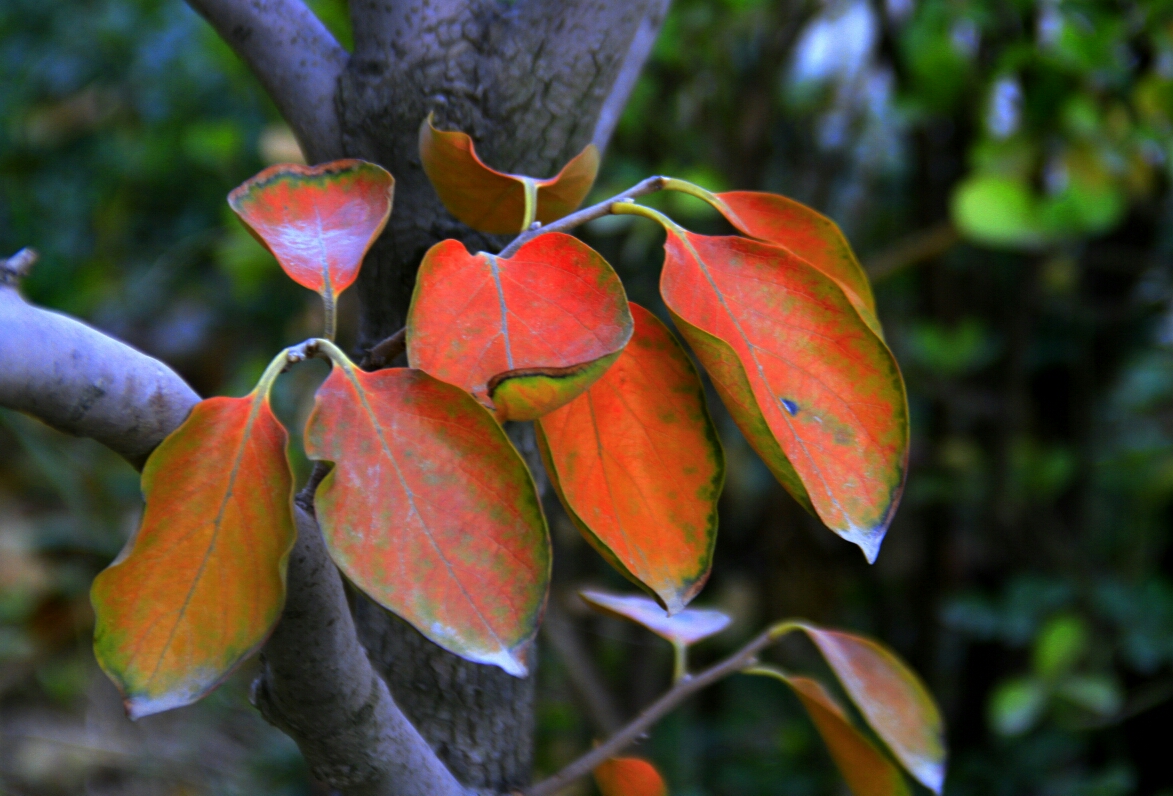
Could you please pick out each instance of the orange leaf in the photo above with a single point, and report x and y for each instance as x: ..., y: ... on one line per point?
x: 430, y: 510
x: 683, y: 629
x: 629, y: 776
x: 638, y: 466
x: 493, y: 201
x: 525, y: 335
x: 891, y: 697
x: 815, y: 391
x: 867, y: 771
x: 318, y: 221
x: 200, y: 586
x: 800, y: 230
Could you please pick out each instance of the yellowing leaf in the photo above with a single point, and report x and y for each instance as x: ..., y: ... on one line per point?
x: 867, y: 771
x: 525, y: 334
x: 629, y: 776
x: 638, y: 466
x: 493, y: 201
x: 891, y: 697
x: 431, y: 511
x: 202, y: 583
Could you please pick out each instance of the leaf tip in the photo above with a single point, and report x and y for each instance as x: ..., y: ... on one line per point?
x: 867, y: 539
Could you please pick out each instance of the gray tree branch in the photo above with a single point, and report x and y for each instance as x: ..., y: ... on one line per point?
x: 82, y: 382
x: 296, y: 59
x: 633, y: 63
x: 317, y: 683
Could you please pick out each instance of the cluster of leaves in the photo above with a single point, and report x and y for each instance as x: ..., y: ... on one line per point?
x: 430, y: 510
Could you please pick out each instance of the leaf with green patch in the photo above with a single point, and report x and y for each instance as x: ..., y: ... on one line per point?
x: 814, y: 389
x: 430, y: 510
x: 629, y: 776
x: 637, y: 464
x: 800, y: 230
x: 867, y: 771
x: 493, y: 201
x: 525, y: 335
x: 891, y: 698
x: 318, y: 221
x: 202, y: 583
x: 682, y: 629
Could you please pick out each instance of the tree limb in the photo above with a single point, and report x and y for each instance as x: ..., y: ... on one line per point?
x: 317, y: 685
x: 82, y: 382
x: 295, y: 57
x: 633, y: 64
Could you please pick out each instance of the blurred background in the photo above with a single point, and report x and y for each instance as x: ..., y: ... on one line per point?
x: 1001, y: 166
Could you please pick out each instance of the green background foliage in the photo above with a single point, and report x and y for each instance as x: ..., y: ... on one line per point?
x: 1002, y: 166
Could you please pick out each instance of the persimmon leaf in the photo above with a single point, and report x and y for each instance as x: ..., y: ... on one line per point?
x: 637, y: 464
x: 493, y: 201
x: 815, y: 391
x: 891, y: 698
x: 802, y: 231
x: 202, y: 583
x: 525, y: 335
x: 867, y: 771
x: 318, y: 221
x: 430, y: 510
x: 629, y: 776
x: 682, y: 629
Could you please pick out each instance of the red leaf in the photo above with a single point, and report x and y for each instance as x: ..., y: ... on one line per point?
x: 629, y: 776
x: 800, y: 230
x: 683, y: 629
x: 524, y: 335
x: 318, y: 221
x: 891, y: 697
x: 200, y: 586
x: 867, y: 771
x: 638, y: 466
x: 493, y: 201
x: 430, y: 510
x: 813, y: 388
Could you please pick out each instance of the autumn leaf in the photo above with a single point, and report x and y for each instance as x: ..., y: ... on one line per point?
x: 629, y: 776
x: 525, y: 334
x: 318, y: 221
x: 493, y: 201
x: 202, y: 583
x: 682, y: 629
x: 865, y: 768
x: 800, y: 230
x: 815, y: 391
x: 430, y: 510
x: 637, y: 464
x: 891, y: 698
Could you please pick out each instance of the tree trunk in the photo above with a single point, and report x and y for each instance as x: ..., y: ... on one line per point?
x: 484, y: 68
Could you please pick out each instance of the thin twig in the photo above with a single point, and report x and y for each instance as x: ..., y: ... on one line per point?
x: 17, y: 266
x: 641, y: 723
x: 559, y: 630
x: 650, y: 185
x: 383, y: 353
x: 915, y: 248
